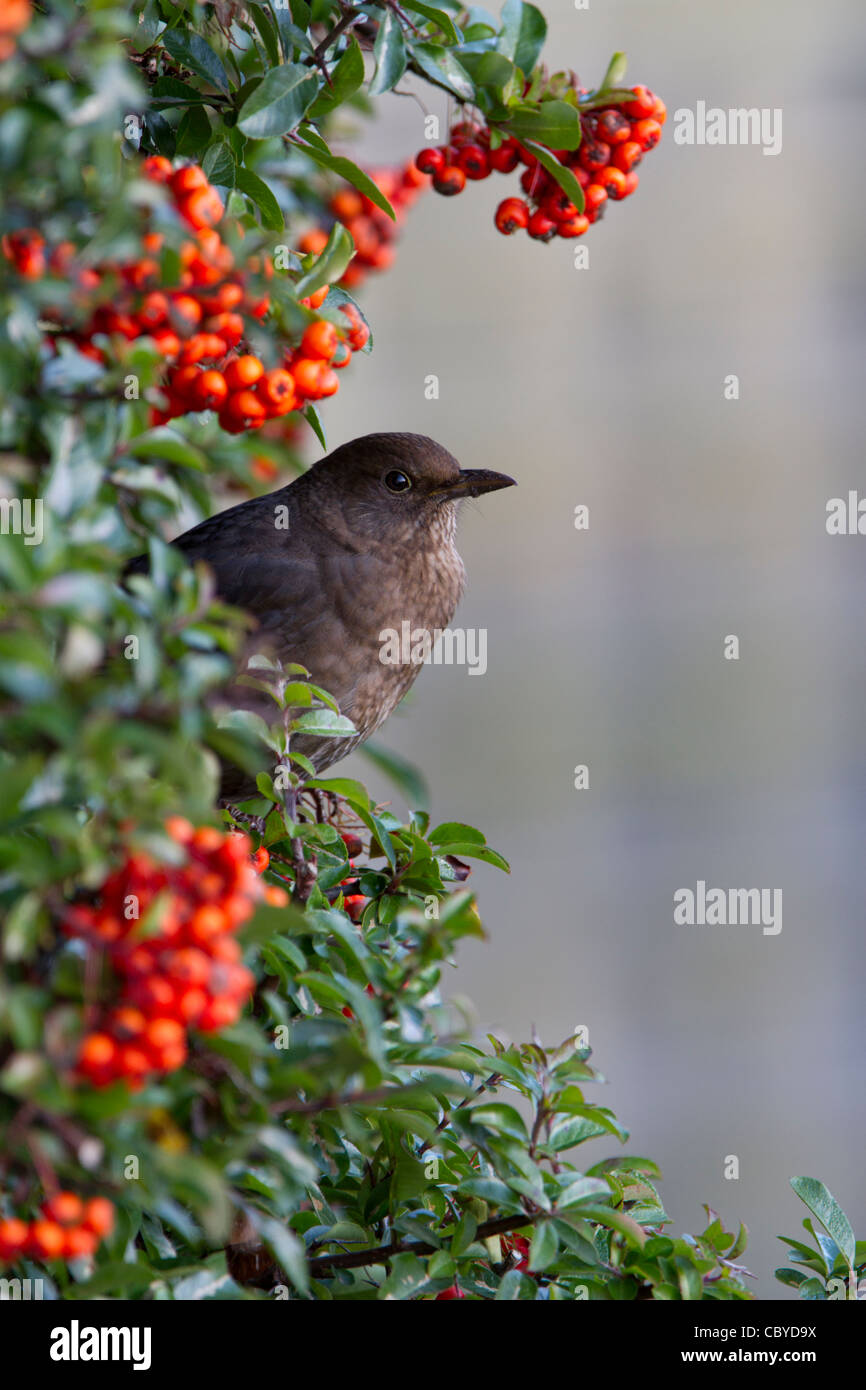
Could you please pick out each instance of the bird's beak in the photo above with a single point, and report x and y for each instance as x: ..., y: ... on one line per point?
x: 473, y: 481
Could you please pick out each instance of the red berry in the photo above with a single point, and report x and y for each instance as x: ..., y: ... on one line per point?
x: 474, y: 162
x: 14, y: 1236
x: 243, y: 372
x: 647, y: 133
x: 612, y: 180
x: 626, y: 156
x: 559, y: 206
x: 595, y: 197
x: 209, y: 391
x: 643, y: 104
x: 613, y: 126
x: 99, y: 1216
x: 594, y: 154
x: 430, y: 161
x: 511, y: 214
x: 64, y: 1207
x: 46, y: 1240
x: 320, y: 340
x: 541, y: 227
x: 450, y: 180
x: 78, y: 1242
x: 575, y: 226
x: 505, y: 159
x: 447, y: 1294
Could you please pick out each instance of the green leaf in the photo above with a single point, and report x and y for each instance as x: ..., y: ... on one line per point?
x: 444, y: 69
x: 318, y: 151
x: 164, y: 443
x: 329, y: 266
x: 324, y: 723
x: 342, y: 786
x: 615, y: 75
x: 346, y: 77
x: 285, y: 1246
x: 439, y: 17
x: 453, y: 832
x: 544, y: 1247
x: 278, y: 104
x: 825, y: 1207
x: 258, y: 192
x: 494, y: 1114
x: 191, y: 51
x: 389, y: 51
x: 523, y: 33
x: 219, y: 164
x: 554, y: 124
x: 617, y: 1221
x: 564, y: 176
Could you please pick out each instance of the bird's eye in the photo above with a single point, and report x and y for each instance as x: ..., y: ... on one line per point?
x: 397, y: 481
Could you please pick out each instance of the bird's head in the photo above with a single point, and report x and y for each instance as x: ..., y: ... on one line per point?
x: 388, y: 487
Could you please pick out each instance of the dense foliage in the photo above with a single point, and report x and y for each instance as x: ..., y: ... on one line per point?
x: 225, y: 1066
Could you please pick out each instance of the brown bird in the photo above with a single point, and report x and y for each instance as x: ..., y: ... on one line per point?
x: 359, y: 545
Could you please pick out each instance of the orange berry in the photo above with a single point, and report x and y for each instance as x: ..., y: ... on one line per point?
x: 244, y: 408
x: 229, y: 327
x: 275, y: 896
x: 64, y: 1207
x: 314, y: 378
x: 202, y: 208
x: 133, y: 1062
x: 99, y: 1216
x: 210, y: 390
x: 320, y: 340
x: 276, y: 390
x: 79, y: 1241
x: 346, y: 204
x: 13, y: 1238
x: 219, y: 1013
x: 185, y: 311
x: 158, y: 168
x: 244, y: 371
x: 318, y: 297
x: 46, y: 1240
x: 180, y: 829
x: 97, y: 1057
x: 188, y: 179
x: 313, y: 243
x: 261, y: 859
x: 127, y: 1022
x: 167, y: 342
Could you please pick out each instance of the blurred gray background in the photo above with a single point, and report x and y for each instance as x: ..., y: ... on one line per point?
x: 605, y: 387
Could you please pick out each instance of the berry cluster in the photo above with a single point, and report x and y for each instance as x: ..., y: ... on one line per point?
x: 371, y: 229
x: 14, y: 18
x: 613, y: 142
x: 68, y: 1229
x: 200, y: 324
x: 168, y: 932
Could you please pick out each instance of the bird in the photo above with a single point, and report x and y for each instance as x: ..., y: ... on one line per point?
x: 358, y: 545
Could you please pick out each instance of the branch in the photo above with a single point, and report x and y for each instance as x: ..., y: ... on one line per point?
x: 357, y: 1259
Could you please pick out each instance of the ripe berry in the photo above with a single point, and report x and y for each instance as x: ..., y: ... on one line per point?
x: 244, y: 371
x: 511, y: 215
x: 202, y: 208
x: 320, y: 340
x: 575, y: 226
x: 595, y: 196
x: 631, y: 183
x: 14, y: 1236
x: 46, y: 1240
x: 431, y: 161
x: 474, y: 162
x: 660, y: 111
x: 612, y: 180
x: 506, y: 158
x: 64, y: 1207
x: 647, y: 133
x: 613, y: 126
x: 98, y: 1057
x: 593, y: 154
x: 277, y: 390
x: 158, y: 168
x: 229, y: 327
x: 187, y: 180
x: 559, y: 206
x: 541, y: 227
x: 347, y: 204
x: 626, y: 156
x: 450, y: 1293
x: 79, y: 1242
x: 643, y: 104
x: 314, y: 378
x: 209, y: 391
x: 99, y: 1216
x: 261, y: 859
x: 449, y: 180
